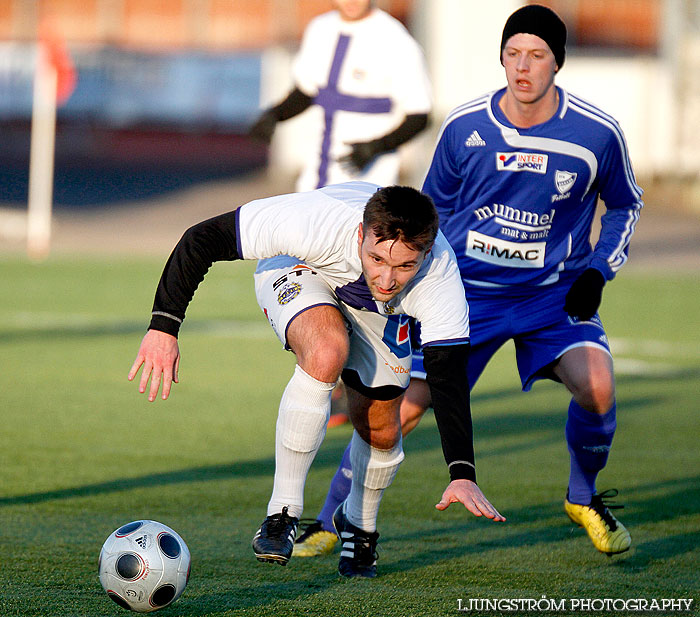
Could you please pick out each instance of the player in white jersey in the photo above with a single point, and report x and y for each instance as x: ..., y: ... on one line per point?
x: 363, y: 77
x: 350, y: 264
x: 516, y: 177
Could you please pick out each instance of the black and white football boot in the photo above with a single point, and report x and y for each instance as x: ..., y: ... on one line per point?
x: 358, y: 556
x: 274, y: 541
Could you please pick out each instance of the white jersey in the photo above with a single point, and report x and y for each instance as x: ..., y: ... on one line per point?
x: 364, y: 76
x: 321, y: 229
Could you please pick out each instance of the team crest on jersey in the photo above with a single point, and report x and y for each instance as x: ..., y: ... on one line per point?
x: 397, y: 335
x: 522, y: 161
x: 288, y: 293
x: 564, y: 180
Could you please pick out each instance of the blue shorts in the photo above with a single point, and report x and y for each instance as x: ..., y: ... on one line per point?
x: 536, y: 321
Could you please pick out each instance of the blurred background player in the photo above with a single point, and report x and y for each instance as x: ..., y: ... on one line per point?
x: 364, y: 76
x: 516, y: 177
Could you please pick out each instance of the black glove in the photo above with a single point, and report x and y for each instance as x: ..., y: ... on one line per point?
x: 583, y: 299
x: 264, y: 127
x: 362, y: 153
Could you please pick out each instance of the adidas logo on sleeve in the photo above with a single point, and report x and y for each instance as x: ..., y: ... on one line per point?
x: 474, y: 140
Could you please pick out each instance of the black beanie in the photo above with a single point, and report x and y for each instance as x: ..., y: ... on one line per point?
x: 540, y: 21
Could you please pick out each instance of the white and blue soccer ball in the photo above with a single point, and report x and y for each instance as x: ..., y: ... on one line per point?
x: 144, y: 566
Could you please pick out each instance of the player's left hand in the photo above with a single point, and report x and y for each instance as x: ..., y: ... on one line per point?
x: 585, y: 295
x: 361, y: 154
x: 469, y: 494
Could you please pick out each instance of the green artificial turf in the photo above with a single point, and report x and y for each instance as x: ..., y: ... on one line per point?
x: 82, y: 453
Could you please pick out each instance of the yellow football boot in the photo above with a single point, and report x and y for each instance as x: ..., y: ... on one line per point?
x: 608, y: 534
x: 315, y: 540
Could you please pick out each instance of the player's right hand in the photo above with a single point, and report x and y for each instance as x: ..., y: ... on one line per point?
x: 470, y: 496
x: 159, y: 355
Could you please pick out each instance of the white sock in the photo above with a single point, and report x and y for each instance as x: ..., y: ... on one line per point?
x: 301, y: 427
x: 373, y: 470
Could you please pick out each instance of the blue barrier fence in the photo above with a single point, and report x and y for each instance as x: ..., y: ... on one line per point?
x: 122, y: 88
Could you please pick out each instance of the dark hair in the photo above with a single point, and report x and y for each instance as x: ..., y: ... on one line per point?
x: 402, y: 213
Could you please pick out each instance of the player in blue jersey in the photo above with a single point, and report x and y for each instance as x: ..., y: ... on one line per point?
x: 515, y: 177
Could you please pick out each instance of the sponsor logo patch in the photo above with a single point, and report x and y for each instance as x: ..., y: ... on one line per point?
x: 288, y: 292
x: 474, y: 140
x: 399, y: 370
x: 505, y: 253
x: 522, y: 161
x: 296, y: 271
x: 519, y: 224
x: 397, y: 335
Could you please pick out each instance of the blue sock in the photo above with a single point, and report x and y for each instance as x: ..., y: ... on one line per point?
x: 588, y: 436
x: 338, y: 491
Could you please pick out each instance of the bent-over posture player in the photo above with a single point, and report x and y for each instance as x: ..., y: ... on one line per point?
x: 350, y: 264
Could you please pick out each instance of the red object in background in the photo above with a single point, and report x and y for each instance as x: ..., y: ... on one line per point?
x: 54, y: 51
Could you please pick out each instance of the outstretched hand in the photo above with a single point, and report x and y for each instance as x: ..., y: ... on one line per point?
x: 469, y: 494
x: 160, y: 356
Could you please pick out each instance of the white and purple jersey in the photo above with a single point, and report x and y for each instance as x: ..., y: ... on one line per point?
x: 365, y: 76
x: 321, y: 228
x: 517, y: 205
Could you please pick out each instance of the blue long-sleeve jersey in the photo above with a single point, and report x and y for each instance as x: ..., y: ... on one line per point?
x: 517, y: 205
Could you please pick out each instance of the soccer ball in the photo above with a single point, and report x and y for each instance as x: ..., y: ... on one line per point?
x: 144, y: 566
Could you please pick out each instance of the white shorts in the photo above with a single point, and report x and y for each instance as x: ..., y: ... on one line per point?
x: 380, y: 347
